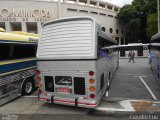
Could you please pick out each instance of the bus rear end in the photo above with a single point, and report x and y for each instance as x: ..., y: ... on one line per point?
x: 66, y: 63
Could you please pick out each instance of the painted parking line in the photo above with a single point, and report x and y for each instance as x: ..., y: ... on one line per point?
x: 107, y: 93
x: 135, y: 75
x: 150, y: 91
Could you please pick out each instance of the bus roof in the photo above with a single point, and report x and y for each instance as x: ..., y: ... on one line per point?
x: 24, y: 33
x: 133, y: 46
x: 12, y: 37
x: 103, y: 34
x: 69, y: 19
x: 155, y: 36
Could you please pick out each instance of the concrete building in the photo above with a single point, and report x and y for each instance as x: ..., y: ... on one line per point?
x: 29, y: 15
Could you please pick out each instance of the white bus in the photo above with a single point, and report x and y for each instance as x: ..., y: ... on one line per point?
x: 75, y: 62
x: 17, y: 64
x: 155, y: 55
x: 141, y: 50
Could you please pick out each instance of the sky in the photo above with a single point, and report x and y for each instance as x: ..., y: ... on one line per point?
x: 119, y: 2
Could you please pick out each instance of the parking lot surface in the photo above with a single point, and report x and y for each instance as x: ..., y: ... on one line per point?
x: 133, y: 91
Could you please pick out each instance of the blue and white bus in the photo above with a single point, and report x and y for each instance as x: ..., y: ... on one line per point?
x: 17, y: 64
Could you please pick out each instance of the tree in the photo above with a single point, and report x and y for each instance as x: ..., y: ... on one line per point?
x: 151, y: 25
x: 137, y: 19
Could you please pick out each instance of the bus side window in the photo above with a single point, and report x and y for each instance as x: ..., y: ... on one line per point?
x: 24, y: 51
x: 107, y: 50
x: 4, y: 51
x: 101, y: 43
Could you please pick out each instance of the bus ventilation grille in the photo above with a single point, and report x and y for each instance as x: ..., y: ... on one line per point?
x: 79, y: 85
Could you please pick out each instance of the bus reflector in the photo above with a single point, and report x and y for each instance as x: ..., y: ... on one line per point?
x: 92, y: 88
x: 91, y: 73
x: 92, y: 96
x: 38, y: 78
x: 91, y: 81
x: 39, y: 84
x: 38, y: 72
x: 39, y: 91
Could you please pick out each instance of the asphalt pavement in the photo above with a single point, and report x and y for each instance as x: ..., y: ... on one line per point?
x: 131, y: 79
x: 134, y: 93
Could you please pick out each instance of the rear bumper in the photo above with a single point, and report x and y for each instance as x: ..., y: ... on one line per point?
x: 71, y: 102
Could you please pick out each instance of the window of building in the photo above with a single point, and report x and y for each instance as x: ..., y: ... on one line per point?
x: 115, y: 9
x: 122, y: 32
x: 117, y: 39
x: 110, y: 30
x: 32, y: 27
x: 70, y: 9
x: 2, y: 25
x: 16, y: 26
x: 117, y: 31
x: 102, y: 14
x: 110, y: 15
x: 94, y: 12
x: 122, y: 41
x: 85, y: 11
x: 109, y: 7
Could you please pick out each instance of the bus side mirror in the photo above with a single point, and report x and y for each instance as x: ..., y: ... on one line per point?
x: 103, y: 29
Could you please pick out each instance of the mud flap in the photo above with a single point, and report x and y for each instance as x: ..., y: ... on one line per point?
x: 76, y: 102
x: 52, y: 99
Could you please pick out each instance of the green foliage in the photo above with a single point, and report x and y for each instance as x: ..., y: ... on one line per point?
x: 139, y: 19
x: 134, y: 24
x: 151, y: 25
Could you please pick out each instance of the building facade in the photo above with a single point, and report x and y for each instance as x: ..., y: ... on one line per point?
x: 29, y: 15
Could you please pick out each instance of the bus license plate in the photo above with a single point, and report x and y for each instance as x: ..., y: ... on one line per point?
x: 64, y: 90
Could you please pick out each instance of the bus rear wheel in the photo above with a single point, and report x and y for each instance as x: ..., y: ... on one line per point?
x: 28, y: 87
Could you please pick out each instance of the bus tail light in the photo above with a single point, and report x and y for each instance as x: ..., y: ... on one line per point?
x: 38, y: 72
x: 92, y: 96
x: 39, y: 84
x: 91, y: 73
x: 91, y: 81
x: 92, y: 88
x: 38, y: 78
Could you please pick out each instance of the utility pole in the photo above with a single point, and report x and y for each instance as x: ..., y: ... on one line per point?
x: 158, y: 15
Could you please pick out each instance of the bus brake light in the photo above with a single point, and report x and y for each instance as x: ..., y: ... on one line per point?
x: 39, y: 84
x: 91, y: 73
x: 38, y: 72
x: 92, y: 96
x: 38, y: 78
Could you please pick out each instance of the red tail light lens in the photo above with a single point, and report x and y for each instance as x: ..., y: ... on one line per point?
x: 39, y: 92
x: 39, y: 84
x: 92, y: 96
x: 38, y: 72
x: 38, y: 78
x: 91, y: 73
